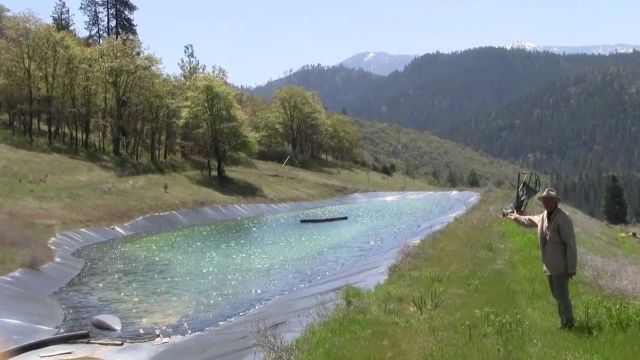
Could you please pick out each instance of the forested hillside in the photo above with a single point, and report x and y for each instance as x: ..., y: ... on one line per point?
x: 577, y: 129
x: 439, y: 92
x: 574, y: 117
x: 339, y: 87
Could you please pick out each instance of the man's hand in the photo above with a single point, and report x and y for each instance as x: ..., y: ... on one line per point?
x: 512, y: 216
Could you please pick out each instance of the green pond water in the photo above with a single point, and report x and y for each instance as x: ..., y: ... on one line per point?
x: 191, y: 279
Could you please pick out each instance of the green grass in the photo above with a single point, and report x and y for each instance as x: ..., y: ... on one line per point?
x: 629, y: 244
x: 474, y: 290
x: 45, y: 190
x: 421, y: 153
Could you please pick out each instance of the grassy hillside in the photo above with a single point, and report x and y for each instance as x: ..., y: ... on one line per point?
x: 422, y: 154
x: 43, y: 192
x: 477, y: 287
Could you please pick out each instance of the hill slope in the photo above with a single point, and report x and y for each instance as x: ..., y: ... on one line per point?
x: 577, y: 129
x: 422, y: 154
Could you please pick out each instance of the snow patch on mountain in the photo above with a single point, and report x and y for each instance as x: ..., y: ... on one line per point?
x: 604, y: 49
x: 378, y: 62
x: 522, y: 45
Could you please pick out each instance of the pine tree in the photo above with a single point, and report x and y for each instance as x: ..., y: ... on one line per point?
x: 435, y: 175
x: 61, y: 17
x: 452, y: 178
x: 94, y: 23
x: 189, y: 64
x: 614, y: 205
x: 473, y: 180
x: 3, y: 15
x: 119, y: 17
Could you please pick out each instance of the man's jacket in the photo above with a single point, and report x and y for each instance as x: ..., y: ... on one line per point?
x: 557, y: 241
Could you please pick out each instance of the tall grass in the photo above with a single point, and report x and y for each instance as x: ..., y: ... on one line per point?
x: 271, y: 342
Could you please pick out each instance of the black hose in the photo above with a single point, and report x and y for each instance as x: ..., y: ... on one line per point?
x: 39, y: 344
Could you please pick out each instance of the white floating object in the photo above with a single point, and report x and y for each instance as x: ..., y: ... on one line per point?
x: 106, y: 322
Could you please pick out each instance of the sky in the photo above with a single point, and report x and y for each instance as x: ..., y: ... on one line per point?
x: 256, y: 41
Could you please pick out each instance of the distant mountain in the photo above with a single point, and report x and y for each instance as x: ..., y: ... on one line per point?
x: 382, y: 63
x: 587, y: 49
x: 378, y: 62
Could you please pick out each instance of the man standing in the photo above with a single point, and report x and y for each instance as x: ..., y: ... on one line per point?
x: 557, y: 249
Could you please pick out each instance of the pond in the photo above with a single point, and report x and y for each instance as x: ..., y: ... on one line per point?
x: 187, y: 280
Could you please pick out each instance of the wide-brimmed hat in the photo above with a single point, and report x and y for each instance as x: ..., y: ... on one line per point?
x: 550, y: 193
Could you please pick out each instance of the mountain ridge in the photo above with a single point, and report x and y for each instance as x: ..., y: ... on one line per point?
x: 384, y: 63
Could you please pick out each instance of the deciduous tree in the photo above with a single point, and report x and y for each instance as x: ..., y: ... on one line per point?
x: 22, y: 49
x: 214, y: 115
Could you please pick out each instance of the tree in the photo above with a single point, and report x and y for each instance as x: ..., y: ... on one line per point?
x: 342, y: 138
x: 61, y: 17
x: 69, y: 97
x: 51, y: 47
x: 614, y: 205
x: 94, y: 22
x: 87, y: 90
x: 214, y: 115
x: 303, y: 120
x: 473, y: 180
x: 452, y: 178
x: 189, y: 64
x: 435, y: 175
x: 264, y: 123
x: 159, y: 100
x: 21, y: 55
x: 122, y: 66
x: 3, y: 16
x: 119, y: 17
